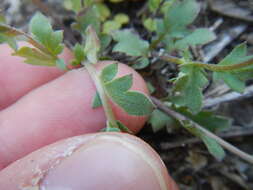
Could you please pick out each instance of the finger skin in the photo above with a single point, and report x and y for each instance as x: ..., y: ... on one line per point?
x: 108, y: 161
x: 57, y: 110
x: 17, y: 78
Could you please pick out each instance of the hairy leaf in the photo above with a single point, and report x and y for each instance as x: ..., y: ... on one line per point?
x: 188, y: 86
x: 92, y: 45
x: 133, y: 102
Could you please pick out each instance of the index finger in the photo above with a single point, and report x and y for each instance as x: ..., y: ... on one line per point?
x: 17, y: 78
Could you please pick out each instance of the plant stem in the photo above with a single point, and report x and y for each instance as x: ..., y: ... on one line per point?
x: 223, y: 143
x: 157, y: 41
x: 211, y: 67
x: 216, y: 68
x: 101, y: 91
x: 15, y: 32
x: 172, y: 59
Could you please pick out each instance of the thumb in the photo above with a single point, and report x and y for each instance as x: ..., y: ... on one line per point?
x: 108, y: 161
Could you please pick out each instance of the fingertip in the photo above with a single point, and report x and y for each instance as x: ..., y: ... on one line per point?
x: 109, y: 161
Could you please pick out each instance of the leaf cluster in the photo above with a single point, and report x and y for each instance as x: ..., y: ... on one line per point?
x: 168, y: 24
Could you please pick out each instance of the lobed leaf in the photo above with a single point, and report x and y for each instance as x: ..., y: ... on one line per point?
x: 181, y: 14
x: 109, y: 72
x: 35, y: 57
x: 231, y: 78
x: 187, y: 90
x: 207, y: 119
x: 130, y: 43
x: 134, y: 103
x: 159, y: 120
x: 42, y: 31
x: 212, y: 145
x: 120, y: 85
x: 200, y: 36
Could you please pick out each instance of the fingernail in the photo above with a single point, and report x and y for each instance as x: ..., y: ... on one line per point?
x: 102, y: 164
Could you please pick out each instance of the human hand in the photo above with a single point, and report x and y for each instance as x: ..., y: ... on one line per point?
x: 58, y: 110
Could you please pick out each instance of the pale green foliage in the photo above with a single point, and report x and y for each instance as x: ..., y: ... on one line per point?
x: 159, y: 120
x: 188, y: 86
x: 96, y: 102
x: 234, y: 80
x: 42, y: 31
x: 35, y: 57
x: 154, y: 4
x: 116, y: 23
x: 198, y: 37
x: 130, y: 43
x: 92, y: 45
x: 109, y: 72
x: 213, y: 147
x: 133, y: 102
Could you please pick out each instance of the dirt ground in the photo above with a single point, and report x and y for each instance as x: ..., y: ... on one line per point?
x: 188, y: 161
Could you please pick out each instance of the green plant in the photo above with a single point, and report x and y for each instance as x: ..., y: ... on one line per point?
x: 168, y: 28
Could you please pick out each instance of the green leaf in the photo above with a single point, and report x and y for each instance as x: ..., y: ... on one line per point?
x: 102, y: 10
x: 213, y: 147
x: 121, y: 18
x: 96, y: 101
x: 105, y: 41
x: 159, y: 120
x: 42, y: 31
x: 79, y: 52
x: 130, y: 43
x: 92, y: 45
x: 35, y: 57
x: 75, y: 5
x: 133, y: 102
x: 121, y: 84
x: 232, y: 79
x: 150, y: 24
x: 153, y: 5
x: 142, y: 63
x: 151, y: 88
x: 61, y: 64
x: 2, y: 19
x: 200, y: 36
x: 9, y: 40
x: 181, y: 14
x: 110, y: 26
x: 109, y: 72
x: 90, y: 17
x: 188, y: 86
x: 123, y: 128
x: 209, y: 120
